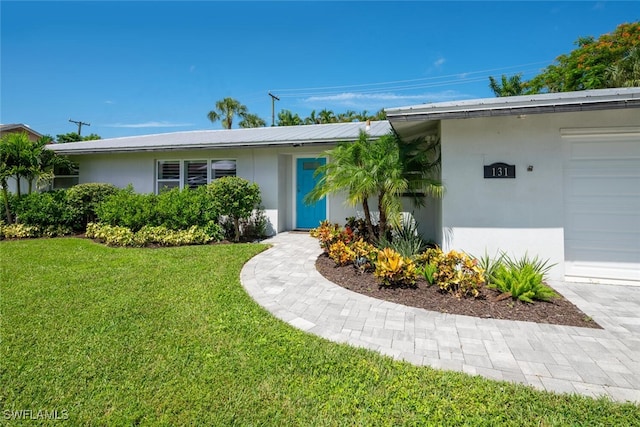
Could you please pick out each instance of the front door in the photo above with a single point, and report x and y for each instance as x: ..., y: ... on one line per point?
x: 308, y: 216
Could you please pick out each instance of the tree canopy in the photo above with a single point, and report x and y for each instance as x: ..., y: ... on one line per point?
x: 611, y: 60
x: 74, y: 137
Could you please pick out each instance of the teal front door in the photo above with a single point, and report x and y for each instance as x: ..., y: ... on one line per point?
x: 308, y: 216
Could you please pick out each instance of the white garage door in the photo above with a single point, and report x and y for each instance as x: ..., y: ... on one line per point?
x: 602, y: 204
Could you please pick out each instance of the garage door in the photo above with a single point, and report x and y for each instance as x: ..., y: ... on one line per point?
x: 602, y: 204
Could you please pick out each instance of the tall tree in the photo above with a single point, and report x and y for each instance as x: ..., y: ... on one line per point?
x: 226, y: 109
x: 586, y: 66
x: 74, y: 137
x: 252, y: 121
x: 287, y: 118
x: 625, y: 73
x: 509, y: 86
x: 326, y: 116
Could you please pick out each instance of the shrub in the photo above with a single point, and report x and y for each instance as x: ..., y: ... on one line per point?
x: 83, y: 199
x: 180, y: 209
x: 236, y: 198
x: 44, y: 210
x: 19, y: 231
x: 394, y: 269
x: 522, y: 279
x: 329, y: 234
x: 341, y: 253
x: 365, y: 254
x: 255, y: 227
x: 359, y: 227
x: 147, y: 235
x: 454, y: 272
x: 129, y: 209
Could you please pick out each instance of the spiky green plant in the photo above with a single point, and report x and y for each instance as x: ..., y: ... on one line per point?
x: 522, y: 281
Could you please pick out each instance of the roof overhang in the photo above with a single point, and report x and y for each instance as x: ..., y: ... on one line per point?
x: 403, y: 118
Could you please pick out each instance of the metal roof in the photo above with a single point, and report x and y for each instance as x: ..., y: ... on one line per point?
x: 228, y: 138
x: 599, y: 99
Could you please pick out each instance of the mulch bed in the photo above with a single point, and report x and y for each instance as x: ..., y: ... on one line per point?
x: 559, y: 311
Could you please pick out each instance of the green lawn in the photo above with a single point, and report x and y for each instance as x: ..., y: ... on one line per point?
x: 169, y: 337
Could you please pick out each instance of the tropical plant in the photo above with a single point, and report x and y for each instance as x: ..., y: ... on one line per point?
x: 75, y: 137
x: 226, y: 109
x: 393, y: 269
x: 366, y: 168
x: 405, y: 239
x: 626, y: 73
x: 252, y: 121
x: 456, y: 273
x: 523, y: 282
x: 511, y: 86
x: 287, y: 118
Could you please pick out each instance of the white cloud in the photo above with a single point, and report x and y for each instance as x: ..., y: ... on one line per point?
x: 439, y: 62
x: 108, y: 101
x: 149, y: 125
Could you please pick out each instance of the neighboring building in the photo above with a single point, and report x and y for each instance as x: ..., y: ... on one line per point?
x: 555, y: 176
x: 18, y: 128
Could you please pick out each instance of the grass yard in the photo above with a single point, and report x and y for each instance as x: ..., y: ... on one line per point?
x: 111, y: 336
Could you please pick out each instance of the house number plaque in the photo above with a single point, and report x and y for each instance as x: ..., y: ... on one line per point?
x: 500, y: 170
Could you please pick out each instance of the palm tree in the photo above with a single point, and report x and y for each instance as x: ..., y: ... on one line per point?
x: 287, y: 118
x: 326, y: 116
x: 225, y: 110
x: 312, y: 119
x: 252, y: 121
x: 385, y: 168
x: 511, y: 86
x: 347, y: 171
x: 347, y: 117
x: 626, y: 72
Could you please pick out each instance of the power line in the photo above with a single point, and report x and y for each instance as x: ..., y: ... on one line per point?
x: 287, y: 92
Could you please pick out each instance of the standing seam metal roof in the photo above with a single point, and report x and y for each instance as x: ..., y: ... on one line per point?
x: 228, y: 138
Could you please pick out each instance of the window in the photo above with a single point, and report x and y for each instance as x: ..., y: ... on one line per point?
x: 195, y: 173
x: 168, y: 175
x: 220, y: 168
x: 65, y: 176
x: 191, y: 173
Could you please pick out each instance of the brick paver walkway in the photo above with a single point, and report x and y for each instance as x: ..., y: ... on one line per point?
x: 562, y: 359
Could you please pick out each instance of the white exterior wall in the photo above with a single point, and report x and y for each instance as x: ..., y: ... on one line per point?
x: 517, y: 216
x: 271, y: 168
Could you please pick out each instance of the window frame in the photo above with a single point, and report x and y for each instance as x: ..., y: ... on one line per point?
x: 183, y: 172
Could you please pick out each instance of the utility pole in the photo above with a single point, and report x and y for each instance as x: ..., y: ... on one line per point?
x: 273, y: 104
x: 79, y: 123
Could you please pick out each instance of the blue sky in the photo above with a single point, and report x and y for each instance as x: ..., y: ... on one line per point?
x: 131, y: 68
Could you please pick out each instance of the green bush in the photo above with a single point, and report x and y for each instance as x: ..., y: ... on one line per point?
x: 19, y: 231
x: 83, y: 200
x: 44, y: 210
x: 236, y: 198
x: 180, y: 209
x: 129, y: 209
x: 522, y: 279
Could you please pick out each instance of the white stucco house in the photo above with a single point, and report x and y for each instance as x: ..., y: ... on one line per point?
x: 553, y: 175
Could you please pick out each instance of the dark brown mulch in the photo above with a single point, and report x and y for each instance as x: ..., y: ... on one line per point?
x: 559, y: 311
